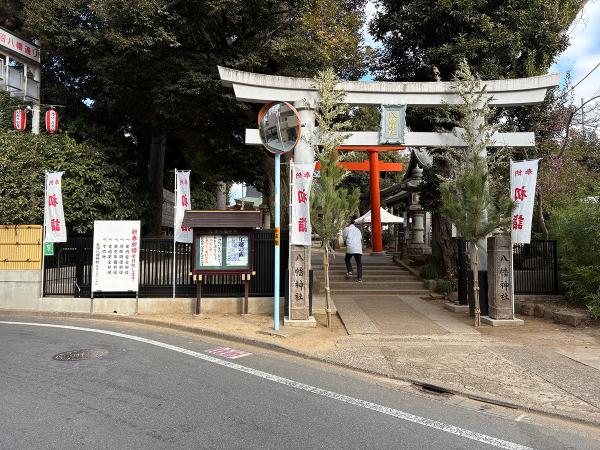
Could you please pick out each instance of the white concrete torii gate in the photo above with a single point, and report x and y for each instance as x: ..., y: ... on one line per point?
x: 258, y: 88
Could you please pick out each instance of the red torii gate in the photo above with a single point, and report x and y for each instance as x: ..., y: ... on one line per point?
x: 373, y: 166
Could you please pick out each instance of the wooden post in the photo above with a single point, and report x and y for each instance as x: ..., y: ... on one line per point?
x: 198, y: 294
x: 246, y: 292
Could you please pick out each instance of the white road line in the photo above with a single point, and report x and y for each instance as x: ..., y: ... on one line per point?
x: 500, y: 443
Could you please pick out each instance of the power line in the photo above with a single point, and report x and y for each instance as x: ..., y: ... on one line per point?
x: 587, y: 75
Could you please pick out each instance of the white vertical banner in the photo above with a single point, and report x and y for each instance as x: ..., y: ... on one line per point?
x: 116, y: 256
x: 183, y: 202
x: 54, y: 217
x: 523, y: 177
x: 300, y: 227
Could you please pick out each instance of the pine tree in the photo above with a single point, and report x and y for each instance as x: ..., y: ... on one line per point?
x: 331, y: 205
x: 474, y: 200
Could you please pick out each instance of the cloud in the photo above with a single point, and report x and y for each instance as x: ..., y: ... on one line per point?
x: 583, y: 52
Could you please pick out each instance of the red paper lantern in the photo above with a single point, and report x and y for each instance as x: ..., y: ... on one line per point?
x: 51, y: 121
x: 20, y: 119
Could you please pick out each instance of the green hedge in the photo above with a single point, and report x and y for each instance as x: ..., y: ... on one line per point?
x: 94, y: 187
x: 576, y: 227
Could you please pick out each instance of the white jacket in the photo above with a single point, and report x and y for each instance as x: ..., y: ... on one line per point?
x: 353, y: 239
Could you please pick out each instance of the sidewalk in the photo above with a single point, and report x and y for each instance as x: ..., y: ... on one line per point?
x: 541, y: 366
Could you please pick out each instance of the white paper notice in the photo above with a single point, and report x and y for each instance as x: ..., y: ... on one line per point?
x: 116, y: 255
x: 237, y: 251
x: 209, y: 251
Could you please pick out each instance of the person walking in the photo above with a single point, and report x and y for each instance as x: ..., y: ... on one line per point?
x: 353, y: 240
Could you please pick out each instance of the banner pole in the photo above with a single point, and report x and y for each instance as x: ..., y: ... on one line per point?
x: 290, y: 209
x: 44, y: 231
x: 175, y: 232
x: 277, y: 242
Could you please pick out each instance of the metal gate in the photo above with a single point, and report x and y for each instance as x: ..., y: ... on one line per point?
x: 535, y: 268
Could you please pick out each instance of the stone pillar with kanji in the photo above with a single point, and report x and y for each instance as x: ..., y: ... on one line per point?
x: 500, y: 278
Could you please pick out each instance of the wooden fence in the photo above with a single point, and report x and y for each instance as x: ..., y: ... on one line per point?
x: 20, y: 247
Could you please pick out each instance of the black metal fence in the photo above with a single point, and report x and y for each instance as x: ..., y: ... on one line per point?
x: 69, y: 271
x: 535, y: 268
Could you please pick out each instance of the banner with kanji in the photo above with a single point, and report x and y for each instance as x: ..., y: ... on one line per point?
x: 183, y: 201
x: 116, y: 255
x: 301, y: 229
x: 523, y: 176
x: 54, y: 217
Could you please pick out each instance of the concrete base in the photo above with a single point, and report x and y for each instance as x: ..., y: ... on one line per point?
x: 502, y: 322
x: 145, y: 306
x: 308, y: 323
x: 455, y: 307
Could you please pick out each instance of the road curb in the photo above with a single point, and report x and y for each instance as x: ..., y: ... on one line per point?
x: 293, y: 352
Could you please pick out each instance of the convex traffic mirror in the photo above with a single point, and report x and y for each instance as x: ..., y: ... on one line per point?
x: 279, y: 127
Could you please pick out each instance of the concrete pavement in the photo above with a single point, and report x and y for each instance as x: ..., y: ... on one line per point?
x: 144, y: 387
x: 542, y: 366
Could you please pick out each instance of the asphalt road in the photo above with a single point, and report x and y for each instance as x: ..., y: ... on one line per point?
x: 146, y: 388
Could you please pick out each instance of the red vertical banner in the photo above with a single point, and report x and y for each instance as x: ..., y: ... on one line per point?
x: 183, y: 202
x: 300, y: 227
x: 54, y: 216
x: 523, y: 178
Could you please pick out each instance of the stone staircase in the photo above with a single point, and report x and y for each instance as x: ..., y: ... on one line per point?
x: 381, y: 276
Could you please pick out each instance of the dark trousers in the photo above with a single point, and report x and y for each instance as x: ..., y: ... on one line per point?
x: 358, y: 259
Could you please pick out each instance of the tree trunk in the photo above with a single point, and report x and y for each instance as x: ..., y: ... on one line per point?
x: 475, y: 269
x: 326, y: 278
x: 541, y: 220
x: 156, y: 167
x: 443, y: 245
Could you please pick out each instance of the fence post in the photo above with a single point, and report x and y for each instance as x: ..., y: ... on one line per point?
x: 555, y: 254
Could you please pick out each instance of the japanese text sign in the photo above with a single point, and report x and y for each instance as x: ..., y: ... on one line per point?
x: 299, y: 283
x: 393, y: 124
x: 301, y: 230
x: 116, y: 255
x: 523, y: 176
x: 19, y: 46
x: 183, y: 201
x: 54, y: 217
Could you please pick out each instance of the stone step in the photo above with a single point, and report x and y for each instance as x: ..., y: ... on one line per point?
x: 374, y: 273
x: 372, y: 284
x: 359, y: 291
x: 374, y: 276
x: 385, y: 268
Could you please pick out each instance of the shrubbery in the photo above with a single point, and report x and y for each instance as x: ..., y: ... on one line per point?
x: 430, y: 271
x: 576, y: 227
x: 94, y: 186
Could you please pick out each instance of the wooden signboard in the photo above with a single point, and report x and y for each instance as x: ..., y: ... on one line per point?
x: 223, y: 244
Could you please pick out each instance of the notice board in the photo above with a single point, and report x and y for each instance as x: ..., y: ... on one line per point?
x: 116, y: 255
x: 222, y: 251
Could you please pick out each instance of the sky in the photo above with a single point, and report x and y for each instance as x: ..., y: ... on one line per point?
x: 584, y: 52
x: 581, y: 56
